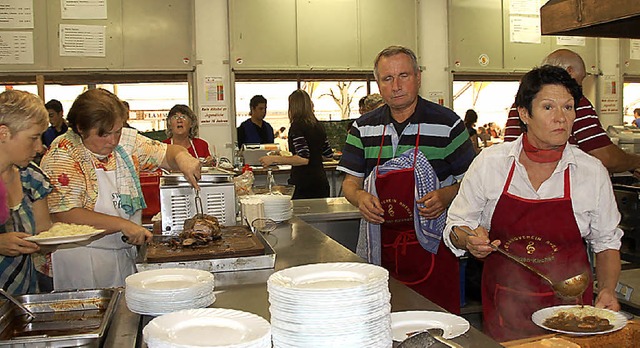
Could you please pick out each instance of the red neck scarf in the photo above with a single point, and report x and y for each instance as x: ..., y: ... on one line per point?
x: 539, y: 155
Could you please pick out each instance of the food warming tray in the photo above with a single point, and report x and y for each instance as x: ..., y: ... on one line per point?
x: 63, y: 319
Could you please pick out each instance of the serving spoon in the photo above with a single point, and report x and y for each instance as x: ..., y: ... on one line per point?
x: 569, y: 288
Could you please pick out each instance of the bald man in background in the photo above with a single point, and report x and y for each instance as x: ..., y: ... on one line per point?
x: 587, y: 131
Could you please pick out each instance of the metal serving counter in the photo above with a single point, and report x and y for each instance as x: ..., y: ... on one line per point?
x: 335, y: 217
x: 296, y: 243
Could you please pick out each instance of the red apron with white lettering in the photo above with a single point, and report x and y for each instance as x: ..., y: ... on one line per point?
x: 436, y: 277
x: 543, y: 233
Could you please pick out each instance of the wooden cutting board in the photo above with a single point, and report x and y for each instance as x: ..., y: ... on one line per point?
x: 237, y: 241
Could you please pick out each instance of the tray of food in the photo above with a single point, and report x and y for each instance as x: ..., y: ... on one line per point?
x: 62, y: 319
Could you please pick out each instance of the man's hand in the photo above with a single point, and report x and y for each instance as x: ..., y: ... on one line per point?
x: 436, y: 202
x: 370, y: 207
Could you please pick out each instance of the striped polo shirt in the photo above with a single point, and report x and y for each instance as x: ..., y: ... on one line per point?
x: 444, y: 140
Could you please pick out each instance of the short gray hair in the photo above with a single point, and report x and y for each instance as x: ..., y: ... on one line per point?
x: 392, y: 51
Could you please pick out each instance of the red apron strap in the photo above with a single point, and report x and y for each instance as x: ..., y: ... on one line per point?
x: 567, y: 184
x: 509, y: 177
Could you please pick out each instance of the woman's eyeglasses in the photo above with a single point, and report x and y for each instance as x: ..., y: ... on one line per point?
x: 179, y: 117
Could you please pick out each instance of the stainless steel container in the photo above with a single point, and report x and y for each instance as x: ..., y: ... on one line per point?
x: 177, y: 199
x: 63, y: 319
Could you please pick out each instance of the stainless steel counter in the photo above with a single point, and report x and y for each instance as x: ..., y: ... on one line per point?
x: 324, y: 209
x: 296, y: 243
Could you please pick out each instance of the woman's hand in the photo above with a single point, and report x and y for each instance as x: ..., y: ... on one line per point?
x: 190, y: 168
x: 13, y: 244
x: 268, y: 160
x: 136, y: 234
x: 607, y: 299
x: 478, y: 245
x: 208, y: 162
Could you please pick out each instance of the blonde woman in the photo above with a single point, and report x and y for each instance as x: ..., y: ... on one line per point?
x: 23, y: 119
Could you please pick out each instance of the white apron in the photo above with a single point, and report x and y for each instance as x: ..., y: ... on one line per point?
x: 104, y: 262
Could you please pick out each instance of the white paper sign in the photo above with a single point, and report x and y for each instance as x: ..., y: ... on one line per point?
x: 571, y: 40
x: 524, y: 7
x: 525, y: 29
x: 16, y: 47
x: 214, y: 115
x: 634, y: 47
x: 82, y: 40
x: 213, y: 88
x: 16, y: 14
x: 83, y: 9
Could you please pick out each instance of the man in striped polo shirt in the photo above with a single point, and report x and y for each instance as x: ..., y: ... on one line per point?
x: 392, y: 131
x: 587, y: 130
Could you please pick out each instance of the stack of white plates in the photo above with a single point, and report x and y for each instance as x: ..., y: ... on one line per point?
x: 330, y: 305
x: 208, y: 327
x: 161, y: 291
x: 277, y: 207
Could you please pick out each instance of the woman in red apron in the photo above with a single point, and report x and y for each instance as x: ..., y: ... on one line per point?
x: 538, y: 224
x: 435, y: 276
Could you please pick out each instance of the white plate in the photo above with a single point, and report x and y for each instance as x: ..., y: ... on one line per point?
x: 215, y: 326
x: 404, y: 323
x: 169, y: 279
x: 616, y: 319
x: 63, y: 239
x: 327, y: 276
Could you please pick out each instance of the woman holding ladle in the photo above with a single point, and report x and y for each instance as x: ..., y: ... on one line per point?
x: 537, y: 198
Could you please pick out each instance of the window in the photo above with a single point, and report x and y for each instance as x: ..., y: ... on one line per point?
x: 490, y: 99
x: 335, y: 98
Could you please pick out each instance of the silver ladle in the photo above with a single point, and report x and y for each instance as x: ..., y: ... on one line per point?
x: 17, y: 303
x: 569, y: 288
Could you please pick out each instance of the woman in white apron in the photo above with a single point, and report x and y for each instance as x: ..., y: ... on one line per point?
x: 94, y: 169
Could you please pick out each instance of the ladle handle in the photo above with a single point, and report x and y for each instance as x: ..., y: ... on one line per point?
x: 512, y: 257
x: 17, y: 303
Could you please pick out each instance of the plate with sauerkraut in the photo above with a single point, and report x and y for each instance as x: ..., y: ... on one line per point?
x: 579, y: 320
x: 61, y: 233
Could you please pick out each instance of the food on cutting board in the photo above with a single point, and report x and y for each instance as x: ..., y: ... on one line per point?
x: 580, y: 319
x: 60, y: 229
x: 198, y: 231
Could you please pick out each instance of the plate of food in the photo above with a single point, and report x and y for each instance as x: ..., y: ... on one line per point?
x: 407, y: 323
x: 579, y: 320
x: 61, y: 233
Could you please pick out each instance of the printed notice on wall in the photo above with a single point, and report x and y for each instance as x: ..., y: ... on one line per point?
x: 83, y: 9
x: 524, y: 7
x: 16, y: 14
x: 16, y: 47
x: 213, y: 88
x: 571, y: 40
x: 525, y: 29
x: 82, y: 40
x: 634, y: 47
x: 214, y: 115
